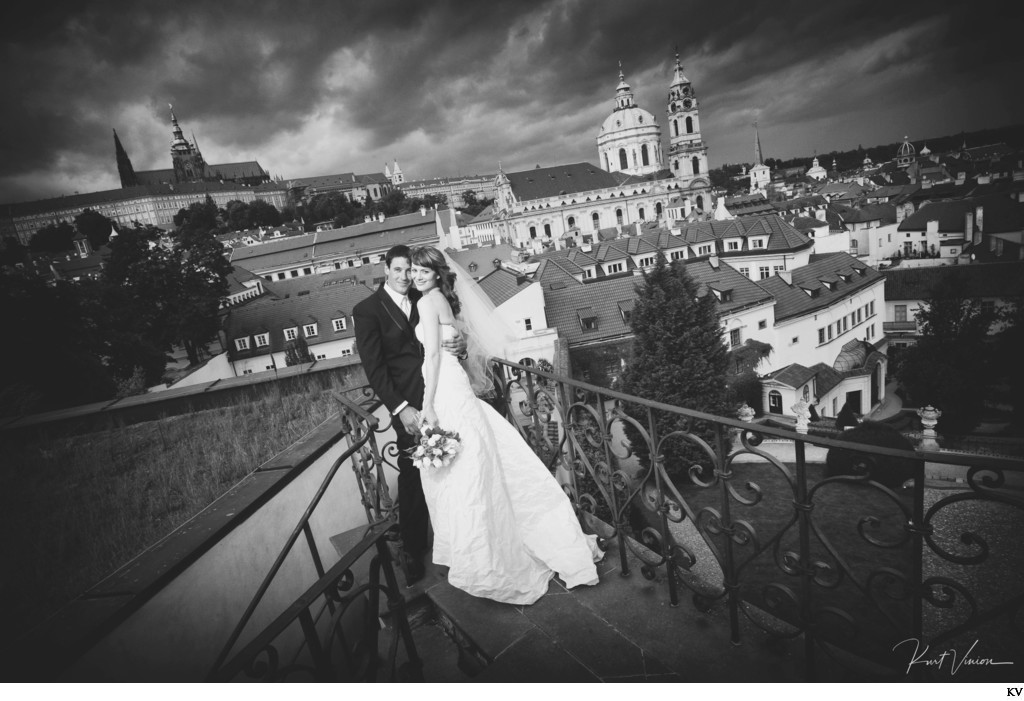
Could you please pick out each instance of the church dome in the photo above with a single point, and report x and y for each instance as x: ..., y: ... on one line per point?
x: 629, y: 118
x: 630, y: 138
x: 906, y: 148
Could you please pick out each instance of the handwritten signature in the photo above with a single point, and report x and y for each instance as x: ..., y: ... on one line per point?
x: 939, y: 660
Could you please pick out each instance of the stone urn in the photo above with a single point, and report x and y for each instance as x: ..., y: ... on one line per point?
x: 929, y: 418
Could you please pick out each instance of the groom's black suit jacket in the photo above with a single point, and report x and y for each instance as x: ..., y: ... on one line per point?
x: 391, y: 355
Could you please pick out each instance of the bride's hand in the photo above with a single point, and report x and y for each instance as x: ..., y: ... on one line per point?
x: 429, y: 416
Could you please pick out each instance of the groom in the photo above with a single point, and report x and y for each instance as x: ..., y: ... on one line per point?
x: 392, y: 358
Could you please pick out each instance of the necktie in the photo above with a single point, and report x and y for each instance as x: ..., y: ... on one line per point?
x: 406, y: 307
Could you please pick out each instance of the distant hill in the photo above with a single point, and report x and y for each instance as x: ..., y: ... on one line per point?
x: 848, y: 160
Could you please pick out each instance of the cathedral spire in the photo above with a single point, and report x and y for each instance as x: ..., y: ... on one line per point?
x: 124, y: 164
x: 758, y: 160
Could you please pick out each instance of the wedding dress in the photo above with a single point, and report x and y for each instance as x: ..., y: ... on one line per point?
x: 501, y: 522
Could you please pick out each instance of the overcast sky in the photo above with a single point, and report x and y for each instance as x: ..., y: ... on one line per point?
x: 315, y: 88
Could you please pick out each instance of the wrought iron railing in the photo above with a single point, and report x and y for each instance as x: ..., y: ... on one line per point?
x: 330, y: 632
x: 860, y: 556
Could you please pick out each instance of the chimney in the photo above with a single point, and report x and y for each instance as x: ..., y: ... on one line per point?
x: 366, y: 218
x: 423, y: 210
x: 380, y: 216
x: 979, y: 218
x: 637, y: 225
x: 787, y: 277
x: 969, y: 225
x: 713, y: 262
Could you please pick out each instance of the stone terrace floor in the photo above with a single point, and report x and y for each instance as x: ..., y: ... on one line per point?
x: 621, y: 630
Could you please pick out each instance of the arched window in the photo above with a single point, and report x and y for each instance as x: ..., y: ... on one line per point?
x: 641, y: 214
x: 675, y: 127
x: 775, y: 402
x: 675, y: 166
x: 547, y: 230
x: 696, y: 165
x: 689, y: 125
x: 657, y: 210
x: 643, y: 155
x: 533, y: 232
x: 597, y: 220
x: 623, y: 163
x: 618, y: 217
x: 572, y: 222
x: 700, y: 202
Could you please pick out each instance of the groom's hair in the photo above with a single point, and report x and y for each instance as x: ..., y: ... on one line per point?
x: 399, y: 251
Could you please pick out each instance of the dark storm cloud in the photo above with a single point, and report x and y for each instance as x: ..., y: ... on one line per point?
x: 375, y: 74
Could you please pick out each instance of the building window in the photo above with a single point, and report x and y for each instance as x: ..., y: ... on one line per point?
x: 735, y: 338
x: 757, y: 243
x: 307, y: 271
x: 745, y: 272
x: 291, y: 334
x: 778, y: 268
x: 821, y: 335
x: 763, y: 324
x: 571, y: 221
x: 309, y: 330
x: 763, y: 270
x: 533, y: 232
x: 676, y: 255
x: 795, y: 340
x: 900, y: 311
x: 293, y: 273
x: 528, y: 323
x: 641, y: 213
x: 732, y: 246
x: 247, y: 371
x: 547, y: 230
x: 242, y: 343
x: 321, y: 356
x: 644, y: 262
x: 775, y: 402
x: 704, y: 250
x: 596, y: 219
x: 615, y: 268
x: 262, y: 340
x: 643, y: 154
x: 346, y: 352
x: 588, y: 273
x: 830, y: 332
x: 339, y: 324
x: 589, y: 324
x: 871, y: 309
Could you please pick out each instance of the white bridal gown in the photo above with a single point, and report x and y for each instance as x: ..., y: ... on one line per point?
x: 502, y: 524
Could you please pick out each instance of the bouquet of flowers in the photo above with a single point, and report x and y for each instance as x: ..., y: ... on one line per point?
x: 437, y: 448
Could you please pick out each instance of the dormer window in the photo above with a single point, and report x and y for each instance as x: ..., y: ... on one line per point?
x: 339, y: 324
x: 262, y: 340
x: 309, y: 330
x: 828, y: 285
x: 722, y: 295
x: 626, y: 310
x: 291, y: 334
x: 242, y: 344
x: 757, y: 243
x: 588, y: 318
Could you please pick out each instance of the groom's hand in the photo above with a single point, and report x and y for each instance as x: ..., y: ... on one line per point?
x: 456, y: 345
x: 410, y: 419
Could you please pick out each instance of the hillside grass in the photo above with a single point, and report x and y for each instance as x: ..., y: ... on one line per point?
x: 75, y: 508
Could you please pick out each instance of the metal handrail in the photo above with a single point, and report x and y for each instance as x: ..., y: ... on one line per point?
x: 361, y: 428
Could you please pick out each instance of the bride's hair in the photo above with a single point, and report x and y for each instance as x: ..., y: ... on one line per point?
x: 428, y: 257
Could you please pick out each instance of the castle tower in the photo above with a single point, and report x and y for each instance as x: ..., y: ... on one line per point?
x: 687, y: 153
x: 187, y: 161
x: 630, y: 138
x: 124, y: 164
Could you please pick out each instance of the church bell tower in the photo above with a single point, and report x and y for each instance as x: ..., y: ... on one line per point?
x: 687, y: 153
x: 188, y: 162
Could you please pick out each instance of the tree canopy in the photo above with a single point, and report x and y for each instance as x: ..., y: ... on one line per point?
x: 53, y: 238
x: 679, y: 357
x: 94, y: 226
x: 950, y: 366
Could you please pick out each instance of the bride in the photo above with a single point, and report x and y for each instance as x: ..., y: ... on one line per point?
x: 502, y: 525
